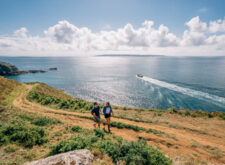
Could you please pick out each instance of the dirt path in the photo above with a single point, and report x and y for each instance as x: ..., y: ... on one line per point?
x: 177, y: 143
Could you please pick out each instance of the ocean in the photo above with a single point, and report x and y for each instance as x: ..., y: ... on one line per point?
x: 195, y: 83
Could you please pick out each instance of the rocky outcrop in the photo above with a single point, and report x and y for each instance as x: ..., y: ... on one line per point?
x: 77, y: 157
x: 7, y: 69
x: 52, y: 68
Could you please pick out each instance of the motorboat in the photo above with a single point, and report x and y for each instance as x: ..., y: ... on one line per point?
x: 139, y: 75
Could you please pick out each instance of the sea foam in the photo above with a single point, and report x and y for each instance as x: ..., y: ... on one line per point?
x: 220, y: 101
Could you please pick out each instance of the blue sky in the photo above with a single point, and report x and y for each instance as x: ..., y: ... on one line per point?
x: 37, y: 15
x: 72, y: 27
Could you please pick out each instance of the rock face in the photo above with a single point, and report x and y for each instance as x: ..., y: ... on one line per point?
x: 77, y: 157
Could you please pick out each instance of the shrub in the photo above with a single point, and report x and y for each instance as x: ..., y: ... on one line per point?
x: 110, y: 148
x: 23, y: 134
x: 140, y: 153
x: 81, y: 104
x: 222, y: 116
x: 130, y: 152
x: 65, y: 104
x: 124, y: 108
x: 187, y: 113
x: 74, y: 143
x: 173, y: 110
x: 88, y: 106
x: 40, y: 120
x: 99, y: 133
x: 76, y: 129
x: 44, y: 121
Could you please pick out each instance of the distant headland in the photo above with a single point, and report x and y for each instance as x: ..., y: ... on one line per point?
x: 7, y: 69
x: 130, y: 55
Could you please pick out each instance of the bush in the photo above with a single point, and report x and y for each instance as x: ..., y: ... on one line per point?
x: 124, y: 108
x: 81, y: 104
x: 222, y: 116
x: 187, y: 113
x: 74, y: 143
x: 76, y: 129
x: 99, y: 133
x: 88, y: 107
x: 130, y: 152
x: 173, y: 110
x: 44, y: 121
x: 40, y: 120
x: 65, y: 104
x: 23, y: 134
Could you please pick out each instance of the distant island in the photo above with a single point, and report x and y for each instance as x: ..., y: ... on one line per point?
x: 129, y: 55
x: 7, y: 69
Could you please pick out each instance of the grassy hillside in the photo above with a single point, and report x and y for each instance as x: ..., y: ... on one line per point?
x: 195, y: 137
x: 26, y: 136
x: 37, y: 120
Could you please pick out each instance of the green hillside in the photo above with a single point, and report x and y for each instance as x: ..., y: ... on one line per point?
x: 27, y: 136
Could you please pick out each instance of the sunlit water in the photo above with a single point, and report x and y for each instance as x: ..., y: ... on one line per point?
x: 187, y: 82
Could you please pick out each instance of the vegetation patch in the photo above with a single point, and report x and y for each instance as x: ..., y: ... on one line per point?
x: 130, y: 152
x: 76, y: 129
x: 49, y: 96
x: 40, y: 120
x: 9, y: 89
x: 22, y: 134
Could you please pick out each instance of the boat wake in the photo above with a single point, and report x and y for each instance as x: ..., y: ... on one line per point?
x: 220, y: 101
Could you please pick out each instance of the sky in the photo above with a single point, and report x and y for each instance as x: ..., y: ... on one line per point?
x: 90, y: 27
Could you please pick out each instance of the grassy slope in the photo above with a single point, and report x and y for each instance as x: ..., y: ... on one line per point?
x: 190, y: 121
x: 26, y: 136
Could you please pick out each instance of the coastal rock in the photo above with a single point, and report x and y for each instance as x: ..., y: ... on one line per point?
x: 53, y: 69
x: 7, y: 69
x: 77, y: 157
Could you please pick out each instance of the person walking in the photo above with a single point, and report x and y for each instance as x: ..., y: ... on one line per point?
x: 107, y: 111
x: 96, y: 114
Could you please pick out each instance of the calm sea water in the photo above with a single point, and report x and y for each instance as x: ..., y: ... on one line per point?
x: 187, y: 82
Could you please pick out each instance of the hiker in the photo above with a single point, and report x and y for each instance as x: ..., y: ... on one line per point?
x: 107, y: 111
x: 96, y: 114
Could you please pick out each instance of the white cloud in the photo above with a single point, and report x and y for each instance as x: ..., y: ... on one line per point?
x: 22, y: 32
x: 63, y: 32
x: 200, y: 38
x: 196, y: 25
x: 217, y: 26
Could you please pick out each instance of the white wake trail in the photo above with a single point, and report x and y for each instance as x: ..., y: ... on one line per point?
x: 220, y: 101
